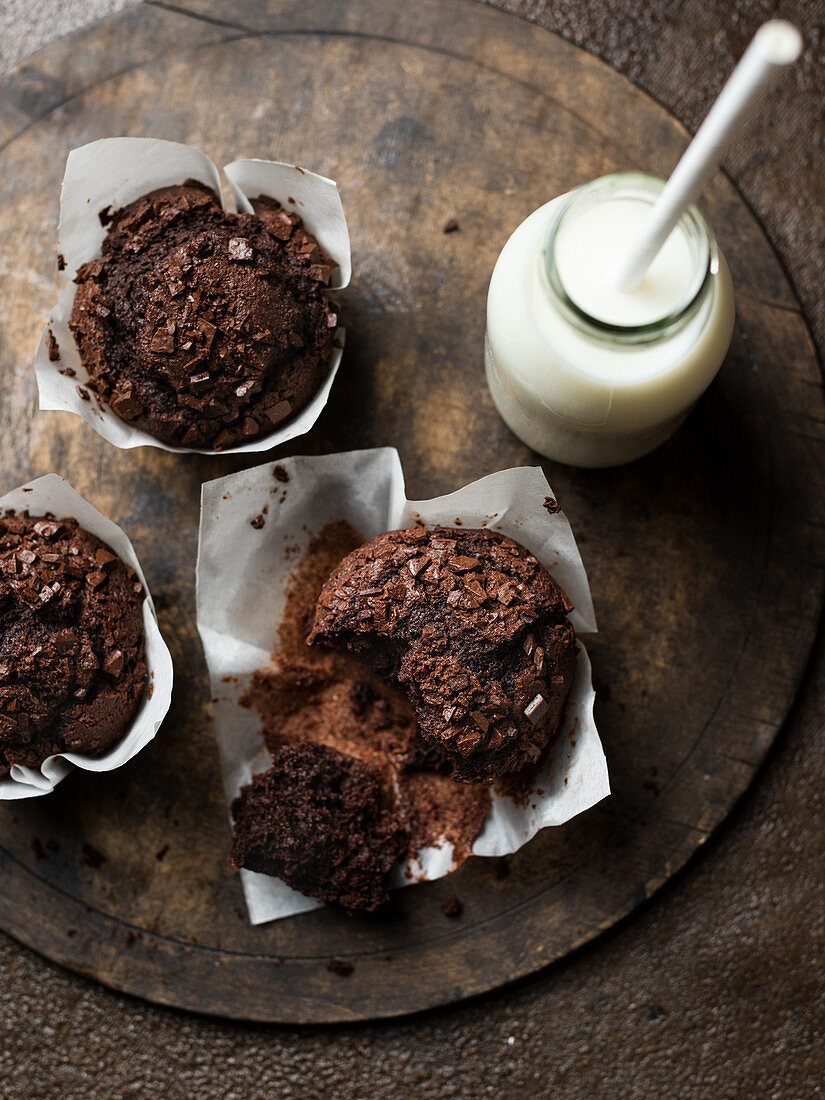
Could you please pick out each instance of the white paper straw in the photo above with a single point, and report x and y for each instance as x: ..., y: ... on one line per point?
x: 775, y: 45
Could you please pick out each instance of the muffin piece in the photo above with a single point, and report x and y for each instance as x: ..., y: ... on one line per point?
x: 317, y: 819
x: 72, y: 668
x: 472, y: 627
x: 205, y: 329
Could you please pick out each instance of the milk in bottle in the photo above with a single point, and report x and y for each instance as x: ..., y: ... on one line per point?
x: 581, y: 371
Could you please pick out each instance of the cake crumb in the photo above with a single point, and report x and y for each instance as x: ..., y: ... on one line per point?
x: 258, y: 521
x: 340, y: 967
x: 450, y: 226
x: 452, y: 907
x: 551, y: 506
x: 280, y: 474
x: 92, y: 856
x: 53, y: 346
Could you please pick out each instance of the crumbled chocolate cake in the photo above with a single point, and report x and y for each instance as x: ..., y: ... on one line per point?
x: 474, y: 630
x: 205, y: 329
x: 72, y: 668
x: 318, y: 820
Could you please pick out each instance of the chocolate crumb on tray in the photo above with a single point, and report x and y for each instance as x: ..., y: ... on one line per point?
x: 340, y: 967
x: 471, y: 627
x: 452, y: 906
x: 72, y: 663
x: 202, y: 328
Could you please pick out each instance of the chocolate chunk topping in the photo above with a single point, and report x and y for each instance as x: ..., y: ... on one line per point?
x: 47, y: 529
x: 536, y: 709
x: 240, y: 249
x: 163, y: 340
x: 114, y: 663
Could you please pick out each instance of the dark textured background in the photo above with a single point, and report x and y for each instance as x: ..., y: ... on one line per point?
x: 716, y: 989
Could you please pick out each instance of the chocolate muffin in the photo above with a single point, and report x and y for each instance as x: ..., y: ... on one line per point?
x: 317, y: 819
x: 204, y: 329
x: 472, y: 627
x: 72, y: 668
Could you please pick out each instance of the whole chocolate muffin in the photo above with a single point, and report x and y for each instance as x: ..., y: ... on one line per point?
x: 204, y: 329
x: 72, y: 669
x: 317, y: 819
x: 472, y: 627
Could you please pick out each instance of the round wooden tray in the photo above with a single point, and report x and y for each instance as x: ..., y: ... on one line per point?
x: 703, y: 558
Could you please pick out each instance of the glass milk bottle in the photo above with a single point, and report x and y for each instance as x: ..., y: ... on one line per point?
x: 580, y: 371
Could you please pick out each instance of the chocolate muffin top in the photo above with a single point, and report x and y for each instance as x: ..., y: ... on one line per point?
x: 204, y: 329
x: 471, y: 626
x: 72, y: 669
x: 317, y: 819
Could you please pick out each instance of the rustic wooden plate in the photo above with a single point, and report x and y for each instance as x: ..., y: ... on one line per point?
x: 705, y: 558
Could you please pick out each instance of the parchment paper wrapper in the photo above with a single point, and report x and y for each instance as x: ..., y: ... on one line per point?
x: 52, y: 494
x: 242, y: 576
x: 114, y: 172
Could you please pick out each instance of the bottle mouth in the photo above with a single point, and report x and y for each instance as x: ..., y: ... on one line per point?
x: 638, y: 188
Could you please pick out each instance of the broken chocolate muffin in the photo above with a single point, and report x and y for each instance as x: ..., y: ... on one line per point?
x: 72, y: 668
x: 318, y: 820
x: 329, y: 697
x: 472, y: 627
x: 204, y: 329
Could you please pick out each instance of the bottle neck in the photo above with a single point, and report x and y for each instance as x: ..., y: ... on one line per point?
x: 577, y: 256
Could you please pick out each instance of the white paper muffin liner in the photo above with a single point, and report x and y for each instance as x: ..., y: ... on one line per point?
x: 242, y: 576
x: 112, y: 173
x: 52, y: 494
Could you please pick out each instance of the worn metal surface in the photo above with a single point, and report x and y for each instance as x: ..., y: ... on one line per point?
x: 706, y: 980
